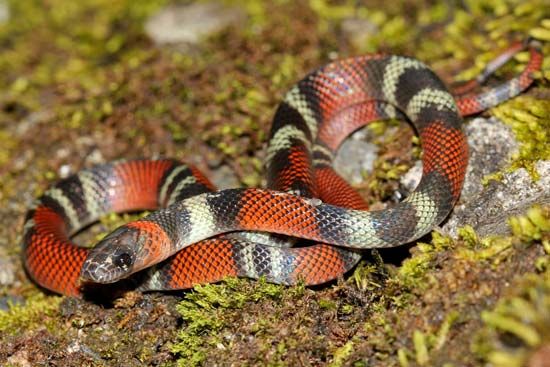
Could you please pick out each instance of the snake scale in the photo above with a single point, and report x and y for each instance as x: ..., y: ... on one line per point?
x: 186, y: 242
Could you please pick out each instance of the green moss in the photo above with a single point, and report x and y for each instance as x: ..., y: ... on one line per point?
x: 71, y: 45
x: 341, y: 354
x: 38, y: 311
x: 393, y: 159
x: 426, y: 343
x: 413, y: 270
x: 500, y: 21
x: 532, y: 226
x: 204, y: 311
x: 7, y: 148
x: 526, y: 229
x: 518, y: 325
x: 420, y: 348
x: 363, y: 276
x: 529, y: 118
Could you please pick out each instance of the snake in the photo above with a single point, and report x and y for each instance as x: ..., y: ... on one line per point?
x: 198, y: 234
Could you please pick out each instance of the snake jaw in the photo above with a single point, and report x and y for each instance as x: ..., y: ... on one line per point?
x: 113, y: 257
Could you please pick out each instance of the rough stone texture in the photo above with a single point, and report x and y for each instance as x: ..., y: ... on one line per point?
x: 489, y: 210
x: 358, y: 30
x: 189, y: 24
x: 224, y: 178
x: 7, y: 301
x: 411, y: 179
x: 4, y: 12
x: 491, y: 145
x: 355, y: 157
x: 7, y: 268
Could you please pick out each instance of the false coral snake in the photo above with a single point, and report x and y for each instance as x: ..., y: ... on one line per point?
x: 306, y: 198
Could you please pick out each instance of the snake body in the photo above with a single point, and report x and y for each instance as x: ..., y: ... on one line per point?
x: 305, y: 198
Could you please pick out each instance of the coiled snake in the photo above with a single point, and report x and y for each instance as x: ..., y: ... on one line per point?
x: 305, y: 199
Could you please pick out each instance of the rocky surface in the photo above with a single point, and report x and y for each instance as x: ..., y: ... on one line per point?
x: 190, y: 24
x: 355, y: 157
x: 487, y: 207
x: 488, y: 211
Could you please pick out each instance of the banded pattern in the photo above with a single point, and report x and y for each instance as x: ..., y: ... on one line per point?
x: 55, y: 263
x: 314, y: 118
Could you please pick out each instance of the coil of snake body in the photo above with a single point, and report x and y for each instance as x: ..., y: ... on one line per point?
x: 305, y: 197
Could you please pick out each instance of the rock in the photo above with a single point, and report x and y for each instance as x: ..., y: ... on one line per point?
x: 355, y: 157
x: 189, y: 24
x: 224, y: 177
x: 491, y: 145
x: 4, y: 12
x: 7, y: 301
x: 7, y: 269
x: 411, y: 179
x: 489, y: 210
x: 486, y: 208
x: 358, y: 30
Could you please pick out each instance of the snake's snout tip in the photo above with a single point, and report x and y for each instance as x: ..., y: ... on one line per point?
x: 96, y: 274
x: 86, y: 275
x: 112, y: 259
x: 97, y: 268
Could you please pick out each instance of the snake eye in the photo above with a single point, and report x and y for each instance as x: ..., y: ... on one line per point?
x: 123, y: 260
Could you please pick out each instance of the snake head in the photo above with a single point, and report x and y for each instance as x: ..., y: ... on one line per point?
x: 113, y: 258
x: 126, y: 250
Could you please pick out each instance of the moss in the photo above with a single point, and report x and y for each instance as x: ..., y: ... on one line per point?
x: 426, y: 343
x: 534, y: 225
x: 517, y: 327
x: 38, y: 311
x: 529, y: 119
x: 526, y: 229
x: 500, y: 21
x: 394, y: 140
x: 204, y: 312
x: 9, y: 144
x: 414, y: 269
x: 72, y: 46
x: 341, y: 354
